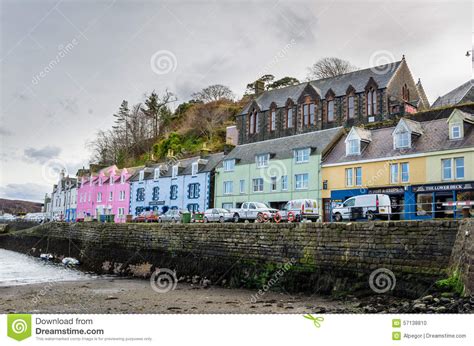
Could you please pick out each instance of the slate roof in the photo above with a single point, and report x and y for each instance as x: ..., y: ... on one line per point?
x: 414, y: 126
x: 456, y: 95
x: 339, y: 84
x: 282, y: 148
x: 211, y: 162
x: 435, y: 137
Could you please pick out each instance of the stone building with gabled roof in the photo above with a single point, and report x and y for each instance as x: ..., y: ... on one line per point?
x: 462, y: 94
x: 364, y: 96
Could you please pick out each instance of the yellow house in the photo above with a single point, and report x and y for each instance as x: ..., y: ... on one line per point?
x: 423, y: 166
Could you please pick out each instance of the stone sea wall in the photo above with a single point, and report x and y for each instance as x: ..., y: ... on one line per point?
x: 316, y: 257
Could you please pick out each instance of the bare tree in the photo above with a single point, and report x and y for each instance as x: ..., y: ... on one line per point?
x: 329, y: 67
x: 213, y: 93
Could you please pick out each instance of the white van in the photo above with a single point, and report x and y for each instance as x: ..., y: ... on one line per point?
x: 363, y: 206
x: 301, y: 209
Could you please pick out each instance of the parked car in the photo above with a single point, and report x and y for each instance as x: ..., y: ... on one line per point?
x: 250, y: 211
x: 363, y: 206
x: 7, y: 217
x: 140, y: 217
x: 300, y: 209
x: 218, y: 215
x: 172, y: 215
x: 151, y: 216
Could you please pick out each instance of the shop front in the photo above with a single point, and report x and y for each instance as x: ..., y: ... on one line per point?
x: 448, y: 200
x: 397, y: 198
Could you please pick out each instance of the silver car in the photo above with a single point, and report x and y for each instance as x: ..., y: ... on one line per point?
x: 218, y: 215
x: 172, y: 215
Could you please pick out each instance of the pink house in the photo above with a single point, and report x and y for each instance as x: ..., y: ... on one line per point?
x: 106, y: 192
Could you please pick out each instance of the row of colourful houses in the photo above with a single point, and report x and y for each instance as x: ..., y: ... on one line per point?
x: 369, y: 131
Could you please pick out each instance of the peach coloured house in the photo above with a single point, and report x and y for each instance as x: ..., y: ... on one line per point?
x: 106, y: 192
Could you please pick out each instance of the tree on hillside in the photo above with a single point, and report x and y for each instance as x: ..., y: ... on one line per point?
x: 283, y: 82
x: 270, y: 83
x: 213, y: 93
x: 329, y: 67
x: 153, y: 109
x: 122, y: 118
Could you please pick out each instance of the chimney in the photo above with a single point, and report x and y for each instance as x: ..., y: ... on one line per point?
x: 205, y: 150
x: 170, y: 153
x: 61, y: 174
x: 232, y: 135
x: 259, y: 87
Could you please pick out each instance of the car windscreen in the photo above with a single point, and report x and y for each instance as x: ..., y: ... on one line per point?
x: 261, y: 205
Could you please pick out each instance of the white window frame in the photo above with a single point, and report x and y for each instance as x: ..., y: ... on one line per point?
x: 122, y: 195
x: 141, y: 175
x: 100, y: 181
x: 273, y: 183
x: 229, y: 165
x: 99, y: 196
x: 262, y: 160
x: 349, y: 177
x: 242, y: 186
x: 289, y: 117
x: 156, y: 173
x: 407, y: 165
x: 174, y: 171
x: 459, y: 127
x: 355, y: 176
x: 455, y: 168
x: 273, y: 120
x: 302, y: 155
x: 228, y: 187
x: 450, y: 169
x: 111, y: 196
x: 331, y: 111
x: 400, y: 138
x: 300, y: 182
x: 257, y: 185
x: 284, y: 182
x: 353, y: 147
x: 194, y: 168
x: 394, y: 173
x: 122, y: 179
x: 112, y: 179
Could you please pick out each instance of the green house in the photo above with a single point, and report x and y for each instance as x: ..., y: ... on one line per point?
x: 274, y: 171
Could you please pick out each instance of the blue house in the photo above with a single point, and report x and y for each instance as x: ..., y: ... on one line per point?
x: 176, y: 184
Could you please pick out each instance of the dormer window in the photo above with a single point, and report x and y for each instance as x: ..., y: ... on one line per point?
x: 353, y: 147
x: 262, y: 160
x: 194, y: 168
x: 402, y: 140
x: 141, y: 175
x: 100, y: 181
x: 156, y: 174
x: 174, y: 171
x: 112, y: 180
x: 122, y: 179
x: 302, y: 155
x: 229, y: 165
x: 456, y: 131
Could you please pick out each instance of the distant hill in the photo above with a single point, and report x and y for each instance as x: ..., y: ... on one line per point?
x: 19, y: 207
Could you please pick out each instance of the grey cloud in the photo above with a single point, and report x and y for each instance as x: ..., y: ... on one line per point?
x: 41, y: 155
x: 27, y: 191
x: 5, y: 132
x: 70, y: 105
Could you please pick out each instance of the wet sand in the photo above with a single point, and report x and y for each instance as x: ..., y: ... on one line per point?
x: 115, y: 295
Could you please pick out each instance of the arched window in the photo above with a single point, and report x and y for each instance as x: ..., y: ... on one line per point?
x: 371, y: 101
x: 253, y: 122
x: 405, y: 93
x: 308, y: 110
x: 350, y: 106
x: 289, y: 117
x: 272, y: 120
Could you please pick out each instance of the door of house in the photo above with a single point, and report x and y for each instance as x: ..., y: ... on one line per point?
x: 326, y: 209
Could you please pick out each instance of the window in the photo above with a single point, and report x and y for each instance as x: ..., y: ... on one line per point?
x: 229, y: 165
x: 273, y: 120
x: 111, y: 196
x: 257, y: 122
x: 371, y: 102
x: 358, y: 176
x: 274, y: 183
x: 252, y: 123
x: 459, y: 167
x: 99, y: 196
x: 122, y: 179
x: 112, y: 178
x: 405, y: 93
x: 194, y: 168
x: 405, y: 168
x: 242, y: 186
x: 262, y: 160
x: 456, y: 131
x: 156, y: 193
x: 156, y: 174
x: 257, y: 185
x: 100, y: 181
x: 228, y: 187
x: 174, y: 172
x: 301, y: 181
x: 349, y: 177
x: 193, y: 207
x: 424, y: 204
x: 330, y: 110
x: 289, y: 117
x: 141, y: 175
x: 284, y: 182
x: 394, y: 173
x: 193, y: 191
x: 140, y: 194
x: 350, y: 107
x: 174, y: 192
x: 350, y: 202
x: 89, y: 197
x: 122, y: 195
x: 447, y: 169
x: 403, y: 139
x: 353, y: 147
x: 302, y: 155
x: 311, y: 113
x: 121, y: 211
x: 227, y: 205
x: 305, y: 115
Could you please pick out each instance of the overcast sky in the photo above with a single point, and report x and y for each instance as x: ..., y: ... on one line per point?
x: 67, y: 65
